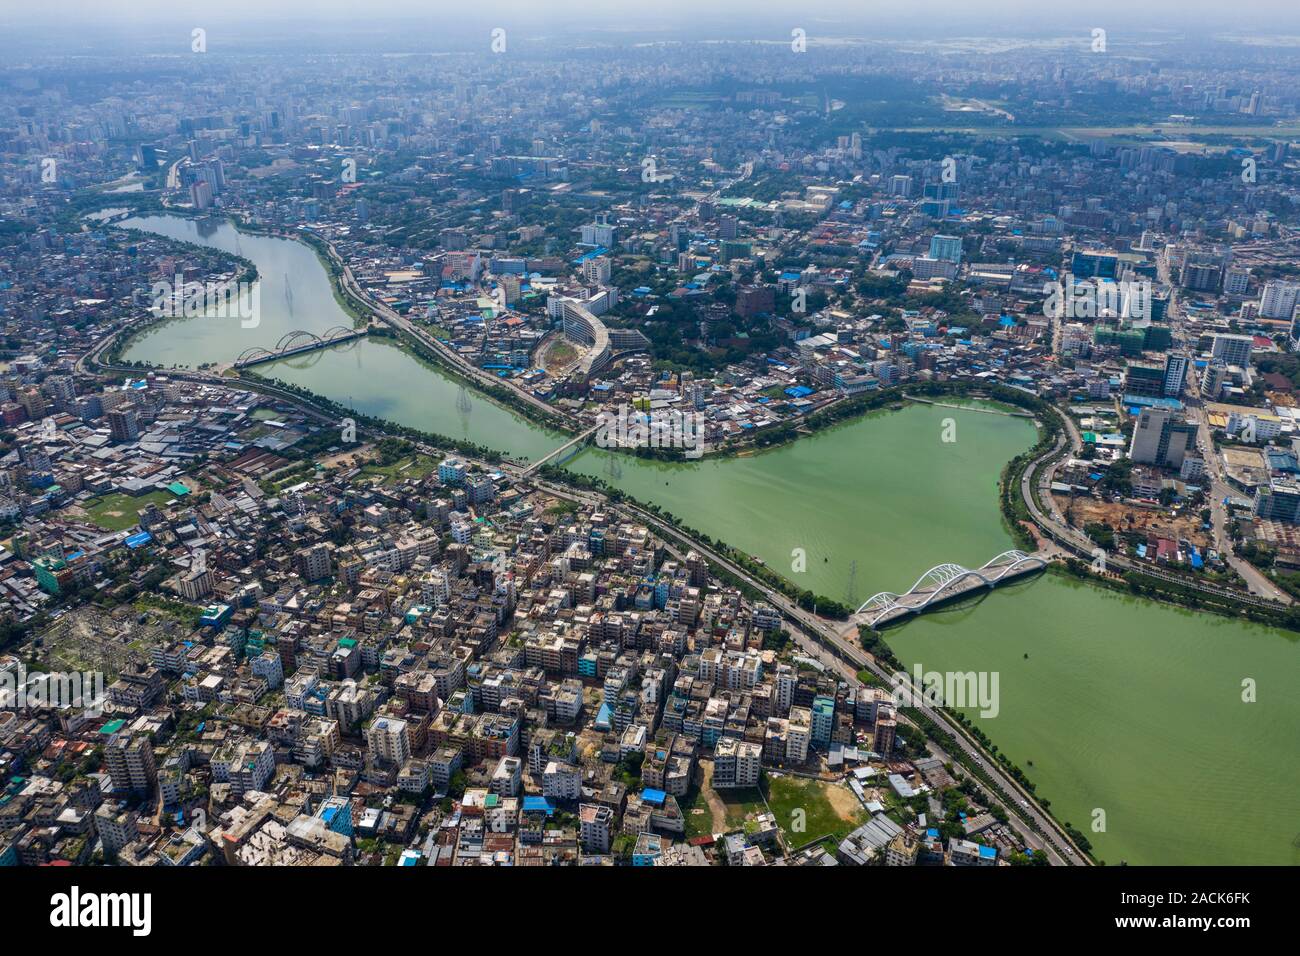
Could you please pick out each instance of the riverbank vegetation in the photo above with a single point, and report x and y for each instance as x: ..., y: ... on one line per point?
x: 1168, y: 592
x: 359, y: 308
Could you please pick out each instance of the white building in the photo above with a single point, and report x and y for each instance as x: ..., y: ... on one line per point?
x: 798, y: 735
x: 507, y: 778
x: 1232, y: 349
x: 561, y: 781
x: 389, y: 740
x: 596, y: 822
x: 736, y: 763
x: 268, y: 666
x: 1278, y: 300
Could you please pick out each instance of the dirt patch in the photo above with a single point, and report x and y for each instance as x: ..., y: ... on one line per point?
x: 558, y: 355
x: 717, y: 809
x: 348, y: 459
x: 844, y: 802
x: 1127, y: 518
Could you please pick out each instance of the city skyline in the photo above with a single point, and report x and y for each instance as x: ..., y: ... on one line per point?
x: 670, y: 437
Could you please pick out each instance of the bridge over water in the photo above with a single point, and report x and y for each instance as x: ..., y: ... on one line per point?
x: 946, y: 582
x: 296, y: 343
x: 564, y: 452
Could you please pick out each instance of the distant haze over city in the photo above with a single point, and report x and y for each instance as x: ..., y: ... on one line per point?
x: 742, y: 434
x: 677, y: 18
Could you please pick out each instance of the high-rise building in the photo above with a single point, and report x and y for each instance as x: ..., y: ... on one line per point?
x: 596, y: 271
x: 1202, y: 276
x: 1278, y: 501
x: 61, y: 388
x: 798, y: 735
x: 823, y: 720
x: 388, y: 739
x: 1232, y: 349
x: 1236, y: 281
x: 245, y: 765
x: 1094, y: 264
x: 195, y: 584
x: 946, y: 247
x: 1213, y: 379
x: 598, y: 234
x: 596, y: 822
x: 1162, y: 438
x: 124, y: 424
x: 1278, y: 300
x: 736, y: 763
x: 130, y: 763
x: 1175, y: 374
x: 882, y: 741
x: 1144, y: 380
x: 314, y: 563
x: 200, y: 194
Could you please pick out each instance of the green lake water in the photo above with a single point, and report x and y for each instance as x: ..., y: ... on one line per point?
x: 1123, y: 705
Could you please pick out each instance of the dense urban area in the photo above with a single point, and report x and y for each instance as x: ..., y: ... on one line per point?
x: 250, y: 620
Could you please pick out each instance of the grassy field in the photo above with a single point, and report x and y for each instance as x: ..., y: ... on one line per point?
x: 414, y: 467
x: 697, y: 824
x: 805, y: 809
x: 117, y: 512
x: 829, y: 809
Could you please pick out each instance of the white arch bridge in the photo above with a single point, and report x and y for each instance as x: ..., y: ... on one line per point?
x: 946, y: 582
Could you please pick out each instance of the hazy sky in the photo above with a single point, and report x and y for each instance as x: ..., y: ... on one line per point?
x: 922, y: 15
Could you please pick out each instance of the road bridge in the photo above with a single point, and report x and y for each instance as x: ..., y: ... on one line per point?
x: 296, y: 343
x: 562, y: 453
x: 946, y: 582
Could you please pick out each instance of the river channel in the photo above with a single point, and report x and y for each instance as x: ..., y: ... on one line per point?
x: 1128, y: 715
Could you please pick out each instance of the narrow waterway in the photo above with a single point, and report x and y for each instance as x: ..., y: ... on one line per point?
x: 294, y: 293
x: 1123, y: 706
x: 377, y: 377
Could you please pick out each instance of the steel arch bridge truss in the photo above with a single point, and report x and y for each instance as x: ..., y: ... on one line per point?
x: 292, y: 342
x: 939, y: 583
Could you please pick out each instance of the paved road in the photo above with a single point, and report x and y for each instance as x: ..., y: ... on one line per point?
x: 813, y: 634
x: 1256, y: 581
x: 820, y: 637
x: 1070, y: 540
x: 1220, y: 489
x: 458, y: 361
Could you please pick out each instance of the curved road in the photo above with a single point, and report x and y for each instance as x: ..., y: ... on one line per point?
x: 449, y: 354
x: 812, y: 633
x: 1071, y: 540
